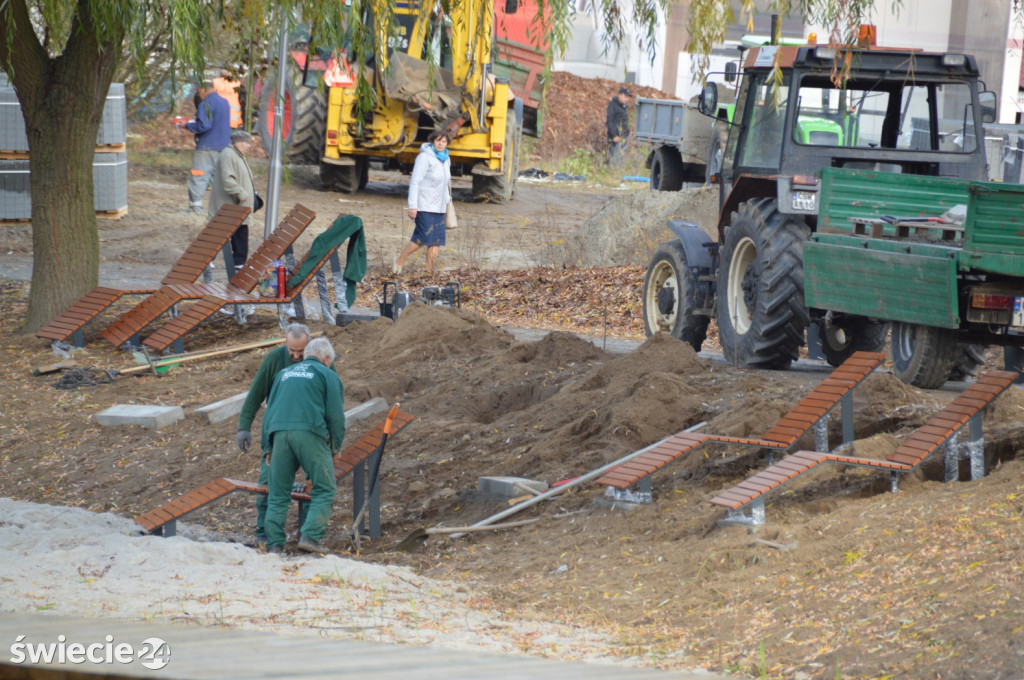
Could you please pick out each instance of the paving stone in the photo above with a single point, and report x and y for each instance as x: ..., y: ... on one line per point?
x: 145, y: 415
x: 223, y: 409
x: 508, y: 487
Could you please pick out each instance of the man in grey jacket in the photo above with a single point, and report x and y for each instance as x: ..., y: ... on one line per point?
x: 233, y: 183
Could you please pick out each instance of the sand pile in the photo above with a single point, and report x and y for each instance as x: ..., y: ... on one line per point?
x: 72, y: 562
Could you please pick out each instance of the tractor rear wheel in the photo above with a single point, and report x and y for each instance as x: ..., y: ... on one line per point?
x: 666, y: 170
x: 761, y: 312
x: 844, y: 335
x: 922, y: 356
x: 669, y: 293
x: 304, y: 123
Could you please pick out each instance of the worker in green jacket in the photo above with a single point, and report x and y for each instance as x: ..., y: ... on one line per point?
x: 303, y: 427
x: 295, y: 339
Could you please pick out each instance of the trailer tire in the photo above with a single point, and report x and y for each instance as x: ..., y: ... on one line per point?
x: 922, y: 356
x: 305, y: 118
x: 761, y: 311
x: 669, y: 297
x: 666, y: 170
x: 848, y: 334
x: 968, y: 361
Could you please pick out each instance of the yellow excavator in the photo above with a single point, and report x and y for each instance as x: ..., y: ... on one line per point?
x: 437, y: 72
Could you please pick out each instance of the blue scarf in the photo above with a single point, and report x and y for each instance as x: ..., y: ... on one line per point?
x: 441, y: 155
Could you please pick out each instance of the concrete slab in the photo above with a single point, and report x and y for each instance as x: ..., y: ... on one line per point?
x: 508, y: 487
x: 145, y: 415
x: 367, y: 409
x: 223, y: 409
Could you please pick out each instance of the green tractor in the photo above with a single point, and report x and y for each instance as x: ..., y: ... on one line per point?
x: 900, y: 111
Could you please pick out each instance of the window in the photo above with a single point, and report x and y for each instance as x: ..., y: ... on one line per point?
x: 885, y: 115
x: 765, y: 118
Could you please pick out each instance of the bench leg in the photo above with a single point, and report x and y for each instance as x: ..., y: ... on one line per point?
x: 78, y: 339
x: 894, y: 481
x: 754, y: 519
x: 179, y: 346
x: 846, y: 409
x: 976, y: 447
x: 339, y: 283
x: 821, y: 434
x: 951, y: 457
x: 170, y: 529
x: 641, y: 496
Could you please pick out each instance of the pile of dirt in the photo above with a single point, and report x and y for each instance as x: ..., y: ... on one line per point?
x: 628, y: 228
x: 575, y: 118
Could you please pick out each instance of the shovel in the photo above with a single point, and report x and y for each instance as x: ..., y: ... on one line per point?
x: 374, y: 475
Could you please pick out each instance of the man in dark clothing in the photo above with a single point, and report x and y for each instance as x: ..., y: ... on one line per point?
x: 617, y: 122
x: 212, y: 128
x: 296, y: 337
x: 303, y: 427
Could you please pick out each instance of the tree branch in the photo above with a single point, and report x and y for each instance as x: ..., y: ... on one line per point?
x: 21, y: 53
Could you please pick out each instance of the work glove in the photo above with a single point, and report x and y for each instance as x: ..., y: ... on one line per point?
x: 244, y: 440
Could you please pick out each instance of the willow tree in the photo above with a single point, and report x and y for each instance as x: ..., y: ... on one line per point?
x: 61, y: 56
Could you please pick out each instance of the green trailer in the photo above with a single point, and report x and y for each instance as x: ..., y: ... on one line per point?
x: 883, y: 253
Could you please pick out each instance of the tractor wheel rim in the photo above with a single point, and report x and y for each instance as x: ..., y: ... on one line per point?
x: 740, y: 280
x: 663, y: 277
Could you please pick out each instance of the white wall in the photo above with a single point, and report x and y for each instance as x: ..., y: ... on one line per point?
x: 583, y: 56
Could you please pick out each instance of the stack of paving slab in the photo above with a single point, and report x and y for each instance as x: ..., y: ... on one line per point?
x: 109, y: 169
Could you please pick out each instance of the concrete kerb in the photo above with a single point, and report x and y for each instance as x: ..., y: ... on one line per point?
x: 144, y: 415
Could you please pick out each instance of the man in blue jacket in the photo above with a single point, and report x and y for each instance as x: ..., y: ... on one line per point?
x: 212, y: 128
x: 303, y: 426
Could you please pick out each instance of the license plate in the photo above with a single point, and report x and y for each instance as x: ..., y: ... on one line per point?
x: 1018, y: 312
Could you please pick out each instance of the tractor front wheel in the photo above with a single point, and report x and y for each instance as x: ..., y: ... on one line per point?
x: 669, y: 297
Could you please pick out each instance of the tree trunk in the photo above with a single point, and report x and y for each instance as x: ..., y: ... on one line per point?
x: 62, y: 100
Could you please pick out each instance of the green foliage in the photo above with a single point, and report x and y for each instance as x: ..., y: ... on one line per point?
x: 710, y: 18
x: 581, y: 162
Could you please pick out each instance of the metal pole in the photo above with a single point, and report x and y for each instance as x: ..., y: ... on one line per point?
x: 593, y: 474
x: 274, y: 181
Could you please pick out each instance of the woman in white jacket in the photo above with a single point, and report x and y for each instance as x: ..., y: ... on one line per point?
x: 429, y: 195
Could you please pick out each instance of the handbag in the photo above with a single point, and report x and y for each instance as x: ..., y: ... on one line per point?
x: 257, y: 202
x: 451, y: 221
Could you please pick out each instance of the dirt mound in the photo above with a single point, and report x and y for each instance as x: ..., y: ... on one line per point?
x: 751, y: 417
x: 554, y: 350
x: 423, y: 333
x: 627, y: 229
x: 885, y: 393
x: 1008, y: 408
x: 575, y: 118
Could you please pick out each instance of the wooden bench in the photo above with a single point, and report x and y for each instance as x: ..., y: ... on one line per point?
x: 354, y: 459
x: 810, y: 412
x: 280, y: 241
x: 193, y: 262
x: 940, y: 430
x: 219, y: 296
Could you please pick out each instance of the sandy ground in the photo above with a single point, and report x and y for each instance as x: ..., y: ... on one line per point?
x: 72, y: 562
x: 853, y: 581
